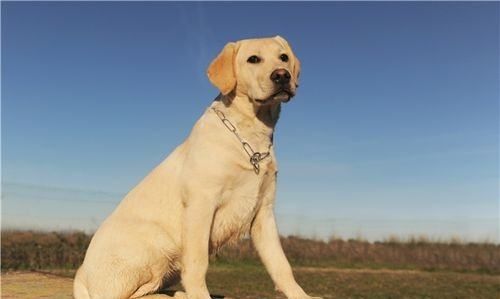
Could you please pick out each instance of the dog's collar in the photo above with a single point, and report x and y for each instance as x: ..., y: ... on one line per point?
x: 255, y: 157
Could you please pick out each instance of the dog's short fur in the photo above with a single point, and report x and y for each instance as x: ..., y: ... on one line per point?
x: 206, y: 193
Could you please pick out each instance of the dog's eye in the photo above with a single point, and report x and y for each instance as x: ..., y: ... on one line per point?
x: 284, y: 57
x: 253, y: 59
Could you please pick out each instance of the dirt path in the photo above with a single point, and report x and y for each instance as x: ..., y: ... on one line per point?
x: 28, y: 285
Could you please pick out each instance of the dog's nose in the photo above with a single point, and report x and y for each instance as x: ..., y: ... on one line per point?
x: 280, y: 77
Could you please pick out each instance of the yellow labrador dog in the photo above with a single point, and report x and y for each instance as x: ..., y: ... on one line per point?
x: 214, y: 188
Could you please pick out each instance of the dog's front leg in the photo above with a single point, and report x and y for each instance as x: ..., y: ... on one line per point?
x: 265, y: 237
x: 197, y: 223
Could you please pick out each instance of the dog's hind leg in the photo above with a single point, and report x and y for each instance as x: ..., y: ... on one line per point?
x: 80, y: 291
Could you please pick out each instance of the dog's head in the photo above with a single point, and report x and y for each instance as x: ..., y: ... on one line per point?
x: 266, y: 70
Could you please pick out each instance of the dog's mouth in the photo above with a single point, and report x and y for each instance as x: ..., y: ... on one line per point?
x: 282, y: 95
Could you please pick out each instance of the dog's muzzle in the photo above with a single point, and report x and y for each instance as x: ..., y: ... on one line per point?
x: 281, y: 95
x: 281, y: 79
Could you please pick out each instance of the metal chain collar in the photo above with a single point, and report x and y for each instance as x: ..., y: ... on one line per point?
x: 255, y: 157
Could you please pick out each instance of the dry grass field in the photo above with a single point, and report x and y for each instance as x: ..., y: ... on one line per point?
x: 41, y: 265
x: 245, y: 282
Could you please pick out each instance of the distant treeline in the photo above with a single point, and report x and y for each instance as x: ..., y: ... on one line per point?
x: 50, y: 250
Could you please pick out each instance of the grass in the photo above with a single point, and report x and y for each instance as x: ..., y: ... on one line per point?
x: 357, y: 283
x: 244, y: 281
x: 395, y: 268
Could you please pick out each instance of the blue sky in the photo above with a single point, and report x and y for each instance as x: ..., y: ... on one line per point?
x: 394, y: 131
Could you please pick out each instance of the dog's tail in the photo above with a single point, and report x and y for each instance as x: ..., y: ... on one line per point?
x: 79, y: 288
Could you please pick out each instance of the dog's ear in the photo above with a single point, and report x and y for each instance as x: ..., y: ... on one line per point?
x: 296, y: 70
x: 221, y: 69
x: 296, y: 61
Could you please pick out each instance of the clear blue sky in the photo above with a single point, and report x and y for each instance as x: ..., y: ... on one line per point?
x: 395, y: 128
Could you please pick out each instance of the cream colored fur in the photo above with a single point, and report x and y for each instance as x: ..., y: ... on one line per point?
x: 202, y: 196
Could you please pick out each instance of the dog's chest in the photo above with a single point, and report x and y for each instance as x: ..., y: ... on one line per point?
x: 239, y: 205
